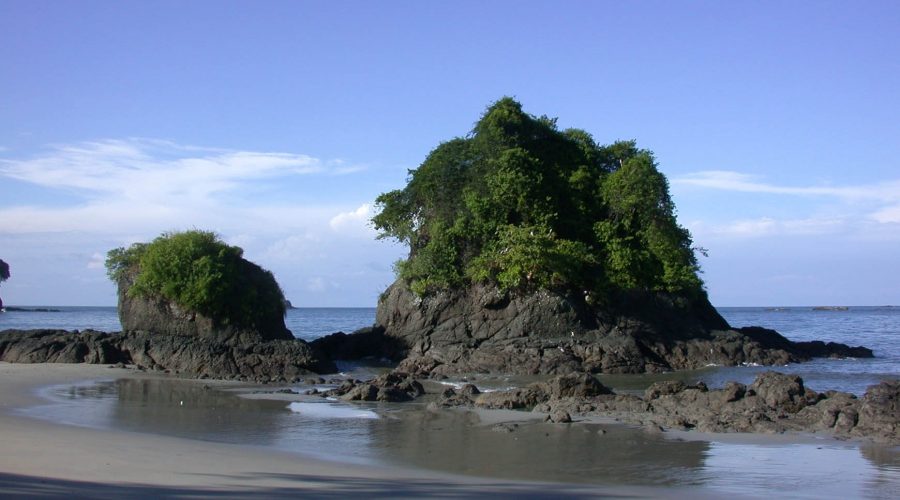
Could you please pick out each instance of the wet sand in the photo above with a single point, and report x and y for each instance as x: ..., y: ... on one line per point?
x: 49, y: 459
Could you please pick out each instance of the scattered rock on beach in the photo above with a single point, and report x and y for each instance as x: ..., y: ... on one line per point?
x: 559, y: 417
x: 393, y: 387
x: 774, y: 403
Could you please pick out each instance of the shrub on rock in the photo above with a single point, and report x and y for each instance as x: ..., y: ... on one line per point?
x: 193, y: 283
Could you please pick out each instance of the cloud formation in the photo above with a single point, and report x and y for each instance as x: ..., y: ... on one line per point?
x: 80, y: 200
x: 355, y: 222
x: 845, y: 208
x: 147, y: 184
x: 142, y: 169
x: 736, y: 181
x: 768, y: 226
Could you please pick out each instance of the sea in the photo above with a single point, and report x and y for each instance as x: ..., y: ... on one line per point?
x: 469, y: 443
x: 307, y: 323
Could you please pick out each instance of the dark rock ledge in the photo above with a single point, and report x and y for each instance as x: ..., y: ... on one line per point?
x: 773, y: 403
x: 186, y: 355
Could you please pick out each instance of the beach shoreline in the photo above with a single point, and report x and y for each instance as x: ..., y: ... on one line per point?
x: 44, y: 458
x: 48, y: 458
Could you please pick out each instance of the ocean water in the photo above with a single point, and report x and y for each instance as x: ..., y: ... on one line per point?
x: 877, y: 328
x: 307, y: 323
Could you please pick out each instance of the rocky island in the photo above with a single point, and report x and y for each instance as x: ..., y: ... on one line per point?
x: 534, y: 250
x: 188, y: 304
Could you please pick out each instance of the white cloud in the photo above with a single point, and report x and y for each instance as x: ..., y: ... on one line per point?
x: 293, y: 247
x: 148, y: 186
x: 887, y: 215
x: 98, y: 261
x: 735, y: 181
x: 355, y: 222
x: 858, y: 205
x: 148, y: 170
x: 768, y: 226
x: 99, y: 195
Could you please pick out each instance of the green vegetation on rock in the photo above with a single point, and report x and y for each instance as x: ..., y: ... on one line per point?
x: 199, y: 272
x: 4, y: 271
x: 4, y: 275
x: 524, y: 205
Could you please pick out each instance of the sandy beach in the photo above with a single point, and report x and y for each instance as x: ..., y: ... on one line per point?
x: 44, y: 459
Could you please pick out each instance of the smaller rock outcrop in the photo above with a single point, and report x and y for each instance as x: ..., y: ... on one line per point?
x: 393, y: 387
x: 155, y: 314
x: 192, y: 283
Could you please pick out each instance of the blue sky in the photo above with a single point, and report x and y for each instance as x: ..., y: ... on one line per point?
x: 276, y: 124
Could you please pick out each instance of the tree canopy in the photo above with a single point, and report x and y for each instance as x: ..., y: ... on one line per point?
x: 4, y: 271
x: 519, y: 203
x: 199, y: 272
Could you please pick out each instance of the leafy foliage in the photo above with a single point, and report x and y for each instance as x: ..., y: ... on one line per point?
x: 4, y: 271
x: 199, y: 272
x: 524, y: 205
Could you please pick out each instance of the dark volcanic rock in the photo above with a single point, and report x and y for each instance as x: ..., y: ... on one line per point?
x: 364, y: 343
x: 774, y: 403
x: 879, y: 412
x: 560, y: 417
x: 482, y: 330
x: 664, y: 388
x: 515, y: 399
x: 572, y: 386
x: 190, y: 356
x: 394, y: 387
x: 578, y: 385
x: 60, y: 346
x: 778, y: 390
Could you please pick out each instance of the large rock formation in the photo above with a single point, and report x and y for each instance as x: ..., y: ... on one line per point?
x: 190, y: 356
x: 482, y: 330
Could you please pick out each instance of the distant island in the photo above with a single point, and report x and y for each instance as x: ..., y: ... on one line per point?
x: 31, y: 309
